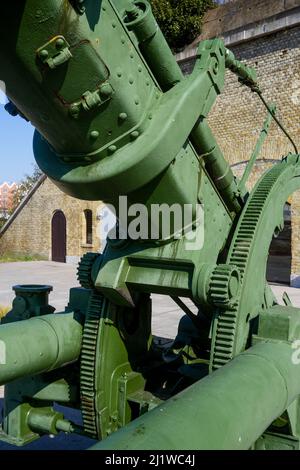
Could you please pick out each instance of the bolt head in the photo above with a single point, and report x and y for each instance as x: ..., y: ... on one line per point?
x: 134, y: 135
x: 112, y: 149
x: 105, y: 90
x: 59, y: 43
x: 123, y: 116
x: 94, y: 135
x: 43, y: 54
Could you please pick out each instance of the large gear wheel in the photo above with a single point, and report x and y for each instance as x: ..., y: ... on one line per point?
x: 88, y: 364
x: 84, y: 270
x: 261, y: 217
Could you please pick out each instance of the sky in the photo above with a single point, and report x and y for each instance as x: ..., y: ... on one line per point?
x: 16, y: 155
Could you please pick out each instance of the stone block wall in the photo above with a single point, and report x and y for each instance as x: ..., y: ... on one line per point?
x: 265, y: 35
x: 30, y: 231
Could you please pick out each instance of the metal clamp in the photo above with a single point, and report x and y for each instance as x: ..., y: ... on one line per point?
x: 55, y: 52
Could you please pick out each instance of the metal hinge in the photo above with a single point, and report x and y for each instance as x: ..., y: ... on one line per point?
x: 55, y: 52
x: 91, y: 100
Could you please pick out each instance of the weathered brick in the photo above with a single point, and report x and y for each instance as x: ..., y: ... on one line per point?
x: 30, y: 231
x: 238, y: 114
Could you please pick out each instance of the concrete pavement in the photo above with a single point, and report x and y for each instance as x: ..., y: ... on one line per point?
x: 62, y: 277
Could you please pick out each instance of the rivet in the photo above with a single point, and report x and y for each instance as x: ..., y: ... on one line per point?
x: 150, y: 116
x: 119, y: 73
x: 131, y: 80
x: 134, y: 135
x: 137, y: 101
x: 105, y: 90
x: 131, y: 55
x: 123, y: 116
x: 147, y: 83
x: 114, y: 24
x: 140, y: 68
x: 122, y: 40
x: 112, y: 149
x: 94, y: 135
x: 43, y: 54
x: 59, y: 43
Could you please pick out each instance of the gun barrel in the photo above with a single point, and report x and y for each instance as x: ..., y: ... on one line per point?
x: 38, y: 345
x: 229, y: 409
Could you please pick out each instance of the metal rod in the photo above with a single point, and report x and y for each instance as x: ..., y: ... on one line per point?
x: 187, y: 311
x: 262, y: 137
x: 280, y: 125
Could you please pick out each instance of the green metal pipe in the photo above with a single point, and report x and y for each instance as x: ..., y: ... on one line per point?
x: 217, y: 167
x: 246, y: 75
x: 167, y: 72
x: 229, y: 409
x: 153, y: 44
x: 261, y: 140
x: 38, y: 345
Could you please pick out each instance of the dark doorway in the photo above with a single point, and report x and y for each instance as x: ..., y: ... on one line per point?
x: 88, y: 215
x: 280, y: 256
x: 59, y: 237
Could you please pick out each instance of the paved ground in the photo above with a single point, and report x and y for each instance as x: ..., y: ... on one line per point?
x: 62, y: 277
x: 165, y: 319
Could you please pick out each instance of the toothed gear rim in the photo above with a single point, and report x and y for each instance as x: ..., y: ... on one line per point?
x: 229, y: 329
x: 88, y: 364
x: 224, y: 286
x: 84, y: 270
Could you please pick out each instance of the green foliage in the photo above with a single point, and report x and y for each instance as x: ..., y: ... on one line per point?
x: 180, y: 20
x: 14, y: 257
x: 4, y: 311
x: 25, y: 186
x: 2, y: 222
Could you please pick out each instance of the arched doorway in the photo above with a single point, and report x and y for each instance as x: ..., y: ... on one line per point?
x: 59, y: 237
x: 280, y: 252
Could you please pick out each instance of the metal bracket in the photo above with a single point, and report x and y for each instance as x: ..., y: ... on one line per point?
x: 92, y: 100
x: 54, y: 53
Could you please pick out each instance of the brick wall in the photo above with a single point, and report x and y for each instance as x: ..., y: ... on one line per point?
x: 238, y: 114
x: 30, y: 231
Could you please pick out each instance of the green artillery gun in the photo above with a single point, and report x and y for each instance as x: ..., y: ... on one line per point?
x: 115, y: 118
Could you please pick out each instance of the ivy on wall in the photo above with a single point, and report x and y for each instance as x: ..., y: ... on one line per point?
x: 180, y: 20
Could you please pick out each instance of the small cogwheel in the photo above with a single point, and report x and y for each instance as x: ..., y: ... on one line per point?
x: 84, y: 270
x: 224, y: 286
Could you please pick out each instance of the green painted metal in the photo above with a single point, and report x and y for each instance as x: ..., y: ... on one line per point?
x: 45, y: 343
x: 228, y: 410
x: 262, y: 137
x: 30, y: 301
x: 115, y: 116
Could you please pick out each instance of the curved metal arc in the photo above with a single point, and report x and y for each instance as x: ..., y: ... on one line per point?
x: 249, y: 251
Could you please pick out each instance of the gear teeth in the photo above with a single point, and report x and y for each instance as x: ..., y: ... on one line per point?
x: 219, y: 285
x: 88, y: 364
x: 85, y: 268
x: 226, y: 331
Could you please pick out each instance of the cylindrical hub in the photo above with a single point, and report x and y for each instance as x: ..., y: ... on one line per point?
x: 229, y: 409
x: 38, y: 345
